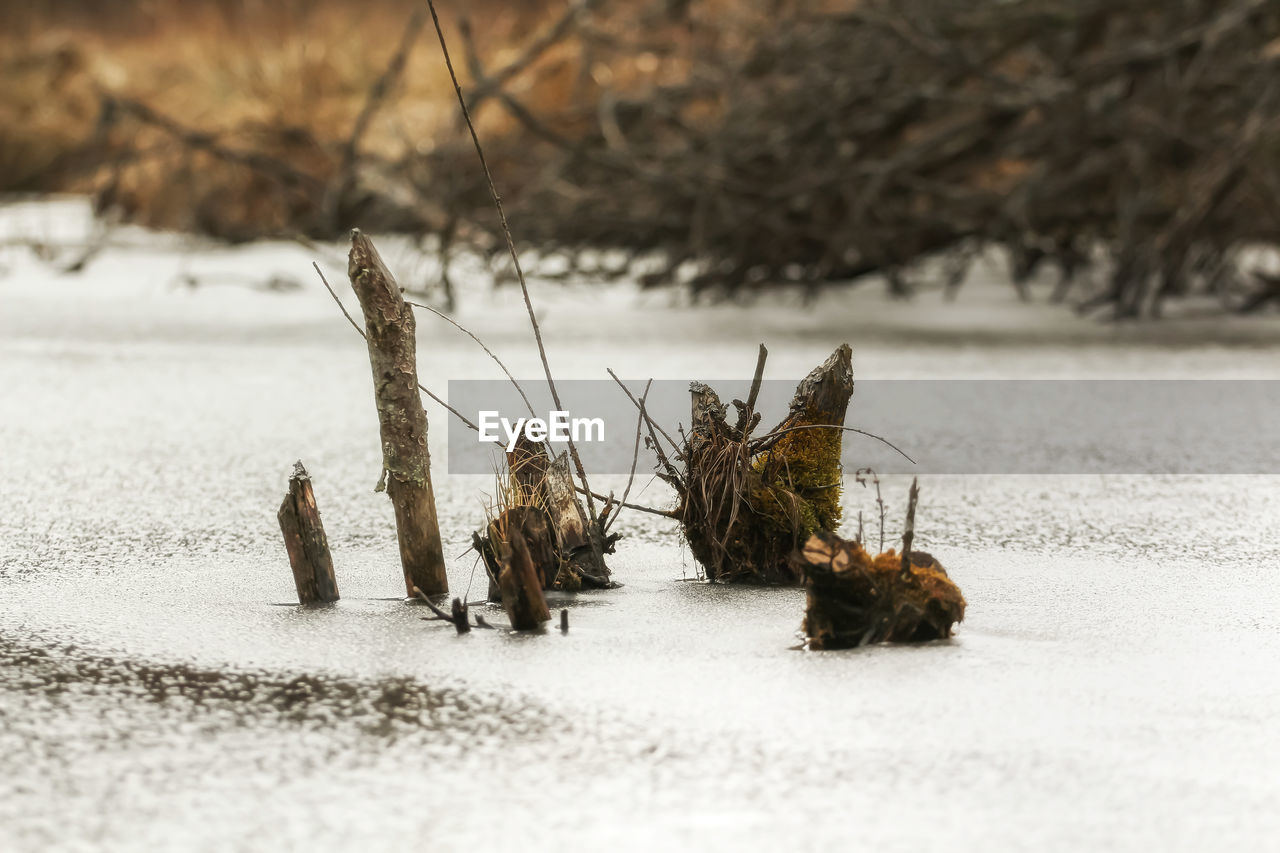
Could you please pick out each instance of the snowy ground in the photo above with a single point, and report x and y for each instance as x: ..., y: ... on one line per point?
x: 1114, y: 685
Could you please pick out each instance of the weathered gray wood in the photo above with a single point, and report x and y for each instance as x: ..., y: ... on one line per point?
x: 389, y: 330
x: 305, y: 541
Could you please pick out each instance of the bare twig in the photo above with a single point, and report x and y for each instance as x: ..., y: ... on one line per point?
x: 764, y: 442
x: 639, y: 507
x: 457, y: 618
x: 362, y: 334
x: 635, y: 455
x: 636, y: 402
x: 756, y: 380
x: 515, y: 257
x: 481, y: 344
x: 909, y: 533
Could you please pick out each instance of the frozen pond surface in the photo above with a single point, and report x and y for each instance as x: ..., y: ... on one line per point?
x: 1114, y: 685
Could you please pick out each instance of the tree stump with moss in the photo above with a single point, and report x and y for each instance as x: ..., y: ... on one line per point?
x: 748, y: 503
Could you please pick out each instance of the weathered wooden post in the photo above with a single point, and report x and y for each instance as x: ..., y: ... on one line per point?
x: 389, y: 330
x: 305, y: 541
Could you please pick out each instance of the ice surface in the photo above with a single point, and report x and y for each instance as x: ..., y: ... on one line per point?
x: 1114, y: 686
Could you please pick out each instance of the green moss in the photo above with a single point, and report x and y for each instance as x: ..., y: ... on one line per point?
x: 807, y: 461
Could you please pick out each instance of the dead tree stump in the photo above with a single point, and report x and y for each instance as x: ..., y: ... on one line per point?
x: 574, y: 532
x: 305, y: 541
x: 748, y: 502
x: 389, y: 330
x: 541, y: 503
x: 547, y: 482
x: 522, y: 596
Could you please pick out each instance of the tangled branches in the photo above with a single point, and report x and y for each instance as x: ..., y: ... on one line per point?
x: 733, y: 144
x: 821, y: 146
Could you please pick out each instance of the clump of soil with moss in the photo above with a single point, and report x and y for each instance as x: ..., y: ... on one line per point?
x: 854, y: 598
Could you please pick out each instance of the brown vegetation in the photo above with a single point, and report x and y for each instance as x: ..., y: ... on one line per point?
x: 230, y: 118
x: 737, y: 144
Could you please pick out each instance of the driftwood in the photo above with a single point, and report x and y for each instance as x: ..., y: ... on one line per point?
x: 748, y: 502
x: 853, y: 598
x: 389, y: 331
x: 305, y: 541
x: 521, y: 589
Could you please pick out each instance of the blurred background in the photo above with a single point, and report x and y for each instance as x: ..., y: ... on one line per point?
x: 1119, y: 156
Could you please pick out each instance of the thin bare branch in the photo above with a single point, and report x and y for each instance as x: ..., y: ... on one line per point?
x: 481, y: 344
x: 635, y: 455
x: 764, y: 442
x: 362, y: 334
x: 515, y: 257
x: 635, y: 402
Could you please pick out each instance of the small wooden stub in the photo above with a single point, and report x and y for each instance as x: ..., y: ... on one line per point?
x: 305, y: 541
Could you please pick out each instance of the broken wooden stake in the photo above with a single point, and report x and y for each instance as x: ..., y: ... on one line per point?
x: 534, y: 527
x: 564, y: 621
x: 547, y: 482
x: 521, y: 591
x: 305, y: 541
x: 909, y: 531
x: 459, y: 612
x: 389, y: 331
